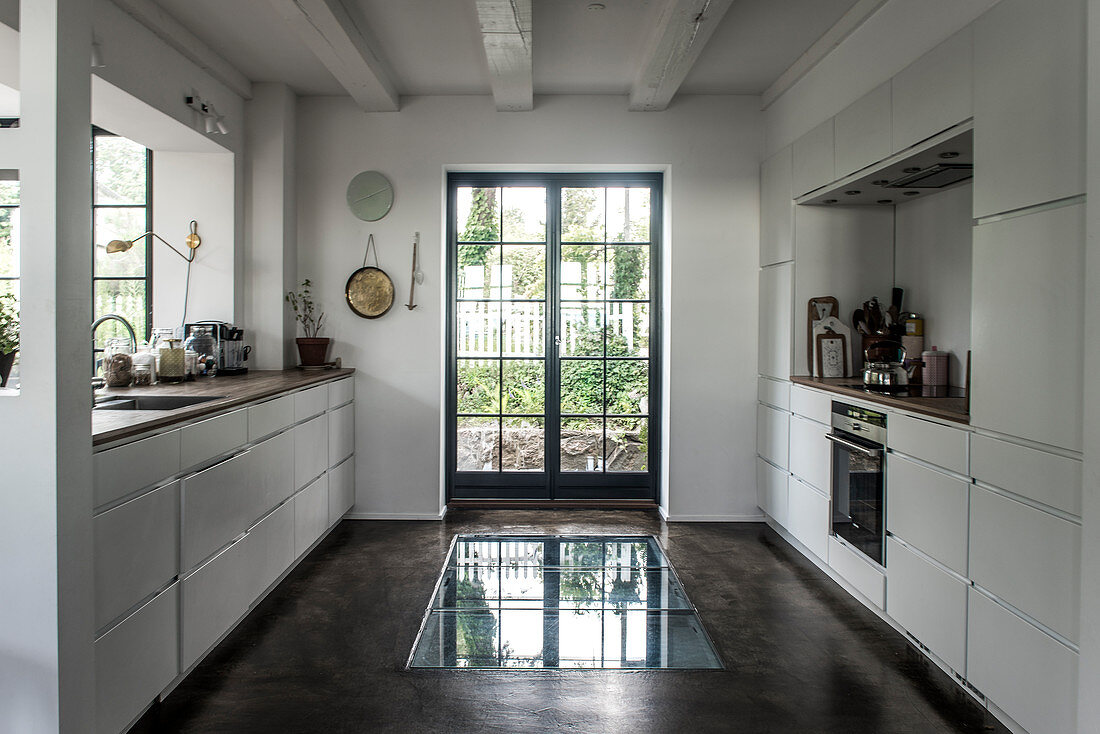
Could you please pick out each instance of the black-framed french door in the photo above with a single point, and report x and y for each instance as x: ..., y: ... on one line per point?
x: 553, y: 330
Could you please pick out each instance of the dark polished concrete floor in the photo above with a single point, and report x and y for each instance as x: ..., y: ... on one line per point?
x: 326, y: 651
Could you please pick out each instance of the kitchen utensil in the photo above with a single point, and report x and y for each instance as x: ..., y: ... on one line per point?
x: 417, y: 275
x: 369, y: 291
x: 827, y: 326
x: 817, y: 309
x: 857, y: 321
x: 884, y: 375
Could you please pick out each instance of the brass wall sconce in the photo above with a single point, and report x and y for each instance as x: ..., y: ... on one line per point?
x: 192, y: 241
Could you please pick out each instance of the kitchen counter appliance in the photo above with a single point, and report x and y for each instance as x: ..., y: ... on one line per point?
x: 230, y: 352
x: 859, y: 479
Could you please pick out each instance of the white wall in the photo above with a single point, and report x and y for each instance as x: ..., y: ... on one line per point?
x: 710, y: 149
x: 932, y: 263
x: 895, y: 36
x: 197, y: 186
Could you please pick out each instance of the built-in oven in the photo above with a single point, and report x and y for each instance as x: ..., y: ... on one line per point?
x: 859, y: 479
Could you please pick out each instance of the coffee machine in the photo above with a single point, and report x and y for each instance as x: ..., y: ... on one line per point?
x: 230, y: 350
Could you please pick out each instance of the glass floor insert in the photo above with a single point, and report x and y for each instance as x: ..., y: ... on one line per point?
x: 560, y: 601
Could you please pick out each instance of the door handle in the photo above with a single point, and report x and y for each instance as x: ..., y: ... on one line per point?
x: 853, y: 446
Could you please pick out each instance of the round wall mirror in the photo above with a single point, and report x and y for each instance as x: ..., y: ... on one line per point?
x: 370, y: 196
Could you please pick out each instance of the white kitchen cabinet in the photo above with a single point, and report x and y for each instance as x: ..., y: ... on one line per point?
x: 205, y: 440
x: 1040, y: 476
x: 340, y: 392
x: 929, y: 441
x: 1028, y: 558
x: 341, y: 490
x: 928, y: 509
x: 863, y: 132
x: 310, y: 514
x: 1029, y: 104
x: 218, y: 505
x: 810, y: 453
x: 808, y: 517
x: 120, y: 471
x: 136, y: 551
x: 852, y: 566
x: 341, y: 434
x: 772, y: 434
x: 813, y: 159
x: 271, y: 478
x: 777, y: 209
x: 776, y: 320
x: 270, y: 549
x: 310, y: 402
x: 928, y: 602
x: 136, y: 660
x: 1027, y: 326
x: 269, y: 417
x: 776, y: 393
x: 1024, y: 671
x: 812, y: 404
x: 771, y: 491
x: 214, y: 597
x: 935, y: 92
x: 310, y: 450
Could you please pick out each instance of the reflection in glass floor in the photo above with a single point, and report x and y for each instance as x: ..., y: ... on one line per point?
x: 512, y: 601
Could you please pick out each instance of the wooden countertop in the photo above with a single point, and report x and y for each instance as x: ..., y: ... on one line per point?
x: 951, y: 409
x: 113, y: 425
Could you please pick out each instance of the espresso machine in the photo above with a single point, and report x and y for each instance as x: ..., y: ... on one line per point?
x: 230, y: 351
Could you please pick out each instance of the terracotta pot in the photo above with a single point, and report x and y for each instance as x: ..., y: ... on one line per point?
x: 312, y: 350
x: 6, y: 362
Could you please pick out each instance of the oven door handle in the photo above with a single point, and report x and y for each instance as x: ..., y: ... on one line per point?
x: 853, y: 446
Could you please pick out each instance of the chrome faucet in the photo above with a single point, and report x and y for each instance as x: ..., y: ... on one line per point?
x: 95, y: 325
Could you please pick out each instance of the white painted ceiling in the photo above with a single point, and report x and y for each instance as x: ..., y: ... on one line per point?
x: 434, y: 46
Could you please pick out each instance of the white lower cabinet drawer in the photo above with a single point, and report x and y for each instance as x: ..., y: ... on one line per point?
x: 310, y: 450
x: 1021, y: 669
x: 1028, y: 558
x: 810, y: 452
x: 310, y: 514
x: 136, y: 551
x: 214, y: 597
x: 808, y: 513
x: 864, y: 578
x: 932, y: 442
x: 218, y: 505
x: 272, y: 472
x: 136, y: 660
x: 928, y: 509
x: 310, y: 402
x: 771, y: 488
x: 340, y: 392
x: 341, y: 490
x: 1040, y: 476
x: 812, y: 404
x: 200, y: 442
x: 776, y: 393
x: 772, y: 434
x: 341, y: 434
x: 119, y: 471
x: 269, y: 547
x: 928, y: 602
x: 267, y: 418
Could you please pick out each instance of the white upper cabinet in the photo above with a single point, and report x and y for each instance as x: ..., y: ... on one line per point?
x: 1029, y: 97
x: 776, y: 209
x: 935, y: 92
x: 1027, y: 326
x: 863, y: 132
x: 813, y: 156
x: 776, y: 304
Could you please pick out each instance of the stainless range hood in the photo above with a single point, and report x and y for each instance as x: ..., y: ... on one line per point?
x: 938, y: 163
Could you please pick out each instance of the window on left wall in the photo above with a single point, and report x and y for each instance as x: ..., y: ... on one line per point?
x: 122, y: 183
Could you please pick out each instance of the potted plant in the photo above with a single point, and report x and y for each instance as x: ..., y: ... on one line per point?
x: 311, y: 348
x: 9, y: 334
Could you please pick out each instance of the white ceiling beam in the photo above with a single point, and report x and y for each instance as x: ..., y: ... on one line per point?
x: 683, y: 29
x: 506, y: 33
x: 194, y: 49
x: 347, y: 50
x: 822, y: 47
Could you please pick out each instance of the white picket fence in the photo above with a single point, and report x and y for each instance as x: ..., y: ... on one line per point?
x: 484, y: 331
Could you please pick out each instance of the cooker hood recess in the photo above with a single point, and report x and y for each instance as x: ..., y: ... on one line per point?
x: 940, y: 162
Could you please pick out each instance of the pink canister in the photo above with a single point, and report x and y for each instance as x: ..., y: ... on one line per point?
x: 935, y: 367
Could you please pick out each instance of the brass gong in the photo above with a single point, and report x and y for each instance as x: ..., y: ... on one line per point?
x: 369, y: 290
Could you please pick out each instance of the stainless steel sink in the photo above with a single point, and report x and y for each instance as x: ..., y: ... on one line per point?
x: 153, y: 402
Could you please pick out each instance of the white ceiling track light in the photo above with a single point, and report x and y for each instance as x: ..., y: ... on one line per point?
x: 97, y: 54
x: 213, y: 123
